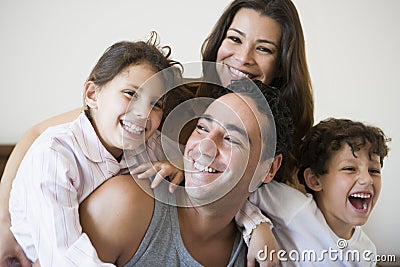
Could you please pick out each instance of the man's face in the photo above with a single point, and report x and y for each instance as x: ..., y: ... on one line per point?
x: 223, y: 151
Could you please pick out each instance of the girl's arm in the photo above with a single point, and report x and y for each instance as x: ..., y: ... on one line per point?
x: 8, y: 246
x: 257, y: 234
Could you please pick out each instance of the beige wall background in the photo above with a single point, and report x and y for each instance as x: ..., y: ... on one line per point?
x: 48, y: 48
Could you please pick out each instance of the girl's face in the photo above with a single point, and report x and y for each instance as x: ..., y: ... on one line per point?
x: 250, y: 48
x: 350, y: 189
x: 125, y: 114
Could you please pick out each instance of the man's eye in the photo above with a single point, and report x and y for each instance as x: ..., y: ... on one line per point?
x: 201, y: 128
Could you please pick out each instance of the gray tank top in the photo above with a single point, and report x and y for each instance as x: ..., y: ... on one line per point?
x: 162, y: 244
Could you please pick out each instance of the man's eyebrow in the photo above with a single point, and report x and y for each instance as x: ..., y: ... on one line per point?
x: 229, y: 127
x: 258, y: 40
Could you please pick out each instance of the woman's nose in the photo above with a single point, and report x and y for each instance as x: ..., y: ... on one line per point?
x: 244, y: 55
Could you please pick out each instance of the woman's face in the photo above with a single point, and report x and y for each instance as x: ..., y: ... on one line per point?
x: 250, y: 48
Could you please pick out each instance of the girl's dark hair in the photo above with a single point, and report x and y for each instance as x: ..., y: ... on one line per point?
x: 331, y: 135
x: 124, y: 54
x: 292, y: 77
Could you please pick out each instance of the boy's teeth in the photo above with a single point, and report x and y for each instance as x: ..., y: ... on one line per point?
x: 132, y: 128
x: 365, y: 205
x: 361, y: 195
x: 202, y: 168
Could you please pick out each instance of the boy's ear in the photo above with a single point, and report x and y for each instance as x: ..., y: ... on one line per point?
x: 90, y: 94
x: 312, y: 180
x: 276, y: 163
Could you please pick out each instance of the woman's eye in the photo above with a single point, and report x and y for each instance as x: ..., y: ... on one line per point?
x: 234, y: 39
x: 264, y: 50
x: 157, y: 105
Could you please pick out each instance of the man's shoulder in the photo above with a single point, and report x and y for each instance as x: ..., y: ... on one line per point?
x: 120, y: 211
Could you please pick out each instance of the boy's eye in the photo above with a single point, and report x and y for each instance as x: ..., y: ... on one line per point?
x: 375, y: 171
x: 349, y: 168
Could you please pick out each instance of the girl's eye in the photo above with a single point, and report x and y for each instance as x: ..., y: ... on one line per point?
x: 234, y: 39
x: 131, y: 94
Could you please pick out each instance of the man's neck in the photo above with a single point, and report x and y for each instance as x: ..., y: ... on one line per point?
x: 209, y: 232
x: 209, y: 237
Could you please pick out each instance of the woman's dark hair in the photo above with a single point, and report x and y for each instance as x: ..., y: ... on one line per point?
x: 292, y: 77
x: 331, y: 135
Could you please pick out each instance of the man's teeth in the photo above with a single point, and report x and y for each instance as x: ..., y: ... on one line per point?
x: 238, y: 73
x: 202, y: 168
x: 361, y: 195
x: 132, y: 128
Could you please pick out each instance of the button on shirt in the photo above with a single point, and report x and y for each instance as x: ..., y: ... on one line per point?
x: 63, y: 166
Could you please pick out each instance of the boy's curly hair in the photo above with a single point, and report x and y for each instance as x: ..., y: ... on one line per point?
x: 329, y: 136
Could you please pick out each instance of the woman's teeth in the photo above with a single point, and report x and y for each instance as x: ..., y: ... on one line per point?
x: 202, y: 168
x: 132, y: 128
x: 238, y: 73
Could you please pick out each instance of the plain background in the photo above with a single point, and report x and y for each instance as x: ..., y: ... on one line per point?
x: 48, y: 48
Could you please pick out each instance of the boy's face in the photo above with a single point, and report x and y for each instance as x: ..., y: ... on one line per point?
x: 350, y: 188
x: 126, y: 114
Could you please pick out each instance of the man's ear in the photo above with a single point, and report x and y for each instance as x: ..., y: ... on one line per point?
x: 90, y: 94
x: 312, y: 180
x: 276, y: 163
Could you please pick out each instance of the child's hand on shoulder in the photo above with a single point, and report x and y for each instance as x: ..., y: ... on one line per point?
x: 262, y: 242
x: 161, y: 170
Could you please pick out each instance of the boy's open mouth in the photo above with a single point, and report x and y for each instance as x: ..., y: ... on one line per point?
x: 360, y: 201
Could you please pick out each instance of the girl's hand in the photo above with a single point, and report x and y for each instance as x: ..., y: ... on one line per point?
x: 263, y: 247
x: 10, y: 251
x: 161, y: 170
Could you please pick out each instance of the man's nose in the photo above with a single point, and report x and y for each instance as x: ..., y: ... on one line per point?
x: 207, y: 151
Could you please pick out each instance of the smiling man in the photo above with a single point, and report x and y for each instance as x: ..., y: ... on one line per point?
x: 230, y: 153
